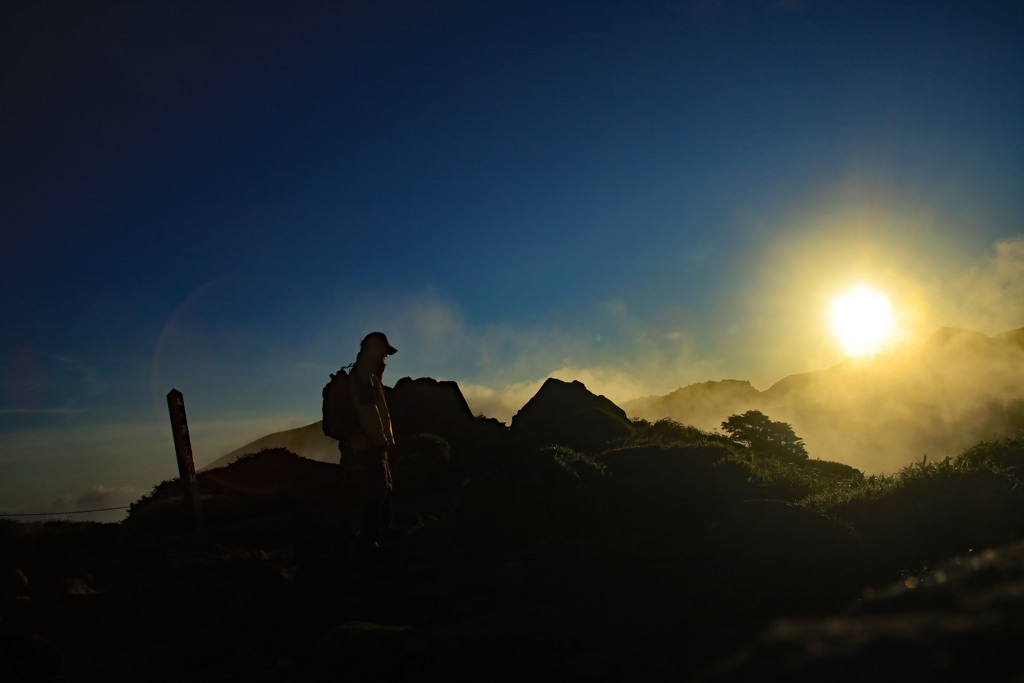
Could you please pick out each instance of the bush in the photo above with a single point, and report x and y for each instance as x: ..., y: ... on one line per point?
x: 929, y: 511
x: 795, y: 481
x: 660, y: 491
x: 668, y: 432
x: 546, y: 491
x: 571, y: 468
x: 1000, y: 454
x: 420, y: 463
x: 764, y: 437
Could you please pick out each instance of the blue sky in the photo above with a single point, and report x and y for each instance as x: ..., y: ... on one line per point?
x: 224, y: 197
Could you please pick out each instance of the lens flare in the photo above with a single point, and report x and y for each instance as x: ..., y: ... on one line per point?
x: 862, y: 320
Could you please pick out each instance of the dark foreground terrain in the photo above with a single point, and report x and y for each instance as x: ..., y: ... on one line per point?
x: 631, y: 551
x: 644, y: 563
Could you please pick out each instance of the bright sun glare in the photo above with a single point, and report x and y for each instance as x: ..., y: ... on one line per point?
x: 862, y: 320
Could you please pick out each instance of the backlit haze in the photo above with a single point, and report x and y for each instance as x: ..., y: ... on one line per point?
x: 224, y: 198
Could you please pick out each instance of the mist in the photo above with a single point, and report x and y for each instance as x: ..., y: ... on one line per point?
x: 952, y: 375
x: 244, y: 381
x: 931, y: 400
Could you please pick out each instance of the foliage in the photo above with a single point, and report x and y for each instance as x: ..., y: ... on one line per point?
x: 547, y: 490
x: 671, y: 481
x: 878, y: 486
x: 668, y: 432
x: 797, y: 480
x: 663, y: 491
x: 930, y: 510
x: 765, y: 437
x: 269, y: 481
x: 582, y: 470
x: 1000, y: 453
x: 770, y: 476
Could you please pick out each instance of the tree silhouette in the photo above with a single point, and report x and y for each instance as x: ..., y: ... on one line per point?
x: 761, y: 435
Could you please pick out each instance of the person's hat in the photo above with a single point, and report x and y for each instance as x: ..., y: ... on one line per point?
x: 378, y: 338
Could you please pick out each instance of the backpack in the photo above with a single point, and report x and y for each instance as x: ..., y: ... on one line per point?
x: 339, y: 408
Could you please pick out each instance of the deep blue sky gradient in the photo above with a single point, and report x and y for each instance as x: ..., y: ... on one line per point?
x: 224, y: 197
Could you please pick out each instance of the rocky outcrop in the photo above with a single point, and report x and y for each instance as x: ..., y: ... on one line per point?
x: 429, y: 406
x: 567, y: 414
x: 421, y: 406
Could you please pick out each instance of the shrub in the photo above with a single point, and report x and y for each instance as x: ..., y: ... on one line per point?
x: 929, y: 510
x: 765, y: 437
x: 787, y: 480
x: 668, y: 432
x: 659, y: 491
x: 572, y: 468
x: 1000, y: 453
x: 546, y: 491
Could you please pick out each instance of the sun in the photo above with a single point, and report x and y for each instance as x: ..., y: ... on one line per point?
x: 862, y: 320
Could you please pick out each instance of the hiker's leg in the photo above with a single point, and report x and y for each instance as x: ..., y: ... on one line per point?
x: 377, y: 484
x: 388, y: 506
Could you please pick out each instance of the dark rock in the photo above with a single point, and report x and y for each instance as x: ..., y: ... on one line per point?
x: 427, y: 406
x: 567, y: 414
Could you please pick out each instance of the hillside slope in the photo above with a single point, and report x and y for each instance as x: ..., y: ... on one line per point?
x: 935, y: 399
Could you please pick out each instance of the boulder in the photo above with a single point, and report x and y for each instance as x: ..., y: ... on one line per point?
x: 567, y: 414
x: 429, y: 406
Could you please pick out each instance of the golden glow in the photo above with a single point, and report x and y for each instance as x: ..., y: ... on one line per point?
x: 862, y: 320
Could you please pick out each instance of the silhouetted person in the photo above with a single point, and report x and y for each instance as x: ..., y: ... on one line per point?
x: 369, y: 442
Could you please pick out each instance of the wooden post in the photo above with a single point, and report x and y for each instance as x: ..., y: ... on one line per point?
x: 183, y: 449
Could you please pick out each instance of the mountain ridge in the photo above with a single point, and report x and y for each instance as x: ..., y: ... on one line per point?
x: 958, y: 387
x: 935, y: 398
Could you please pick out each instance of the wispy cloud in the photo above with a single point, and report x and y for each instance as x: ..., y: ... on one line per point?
x: 96, y: 497
x: 990, y: 296
x: 607, y: 346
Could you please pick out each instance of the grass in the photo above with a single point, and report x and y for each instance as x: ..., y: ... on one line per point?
x: 668, y: 432
x: 920, y: 514
x: 1005, y: 454
x: 971, y: 464
x: 929, y: 510
x: 666, y: 480
x: 770, y: 477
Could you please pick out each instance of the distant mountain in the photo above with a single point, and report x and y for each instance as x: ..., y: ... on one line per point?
x: 420, y: 406
x: 956, y: 389
x: 702, y: 405
x: 309, y: 441
x: 935, y: 399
